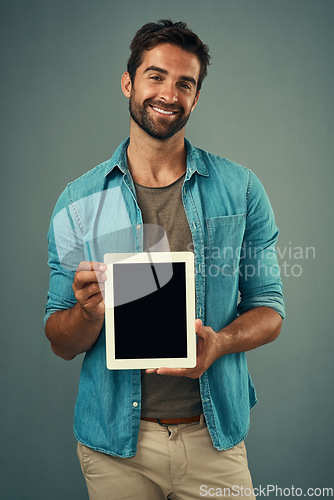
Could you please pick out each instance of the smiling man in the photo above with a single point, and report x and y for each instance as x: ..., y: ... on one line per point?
x: 166, y: 433
x: 170, y: 113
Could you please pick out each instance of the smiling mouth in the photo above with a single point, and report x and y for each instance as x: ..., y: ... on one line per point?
x: 163, y: 111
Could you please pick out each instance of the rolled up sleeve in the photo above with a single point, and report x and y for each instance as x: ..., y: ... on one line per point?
x: 65, y: 253
x: 259, y: 277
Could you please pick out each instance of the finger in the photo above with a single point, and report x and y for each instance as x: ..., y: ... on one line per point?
x: 198, y: 324
x: 90, y: 276
x: 87, y: 265
x: 81, y: 278
x: 181, y: 372
x: 94, y: 301
x: 103, y: 292
x: 204, y: 332
x: 84, y: 294
x: 201, y: 330
x: 176, y: 372
x: 95, y: 304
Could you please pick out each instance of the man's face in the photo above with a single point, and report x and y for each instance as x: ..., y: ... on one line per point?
x: 164, y: 91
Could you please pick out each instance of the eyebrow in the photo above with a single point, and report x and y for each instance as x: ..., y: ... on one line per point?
x: 189, y: 79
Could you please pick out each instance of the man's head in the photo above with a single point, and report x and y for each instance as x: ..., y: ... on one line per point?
x: 165, y: 72
x: 165, y: 31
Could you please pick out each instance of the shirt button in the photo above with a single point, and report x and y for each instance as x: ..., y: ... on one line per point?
x: 135, y: 404
x: 138, y: 226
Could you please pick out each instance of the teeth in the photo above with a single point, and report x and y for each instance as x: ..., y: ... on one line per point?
x: 163, y: 111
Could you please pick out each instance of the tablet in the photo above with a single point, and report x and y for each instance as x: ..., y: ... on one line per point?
x: 150, y: 310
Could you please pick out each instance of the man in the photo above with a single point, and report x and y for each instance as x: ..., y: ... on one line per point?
x: 166, y: 433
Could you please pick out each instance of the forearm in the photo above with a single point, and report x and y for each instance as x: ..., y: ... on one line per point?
x: 71, y: 332
x: 252, y: 329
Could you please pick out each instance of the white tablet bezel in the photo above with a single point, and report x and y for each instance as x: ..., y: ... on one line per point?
x: 150, y: 257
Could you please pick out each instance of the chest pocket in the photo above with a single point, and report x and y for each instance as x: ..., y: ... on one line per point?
x: 225, y: 236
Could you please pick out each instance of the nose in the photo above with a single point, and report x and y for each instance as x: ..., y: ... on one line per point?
x: 168, y: 92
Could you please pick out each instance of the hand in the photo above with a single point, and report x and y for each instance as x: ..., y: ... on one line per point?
x: 206, y: 354
x: 88, y: 287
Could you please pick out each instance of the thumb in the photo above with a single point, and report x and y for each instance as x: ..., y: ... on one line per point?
x: 199, y: 327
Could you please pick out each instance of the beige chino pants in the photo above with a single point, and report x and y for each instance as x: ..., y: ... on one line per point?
x: 172, y: 462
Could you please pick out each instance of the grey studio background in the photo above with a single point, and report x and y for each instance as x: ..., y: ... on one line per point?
x: 268, y: 104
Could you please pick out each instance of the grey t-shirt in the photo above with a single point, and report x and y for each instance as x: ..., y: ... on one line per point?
x: 162, y: 209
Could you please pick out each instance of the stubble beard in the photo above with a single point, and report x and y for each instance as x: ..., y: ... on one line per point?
x: 140, y: 114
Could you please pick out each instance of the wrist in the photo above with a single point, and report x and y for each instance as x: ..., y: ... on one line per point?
x: 87, y: 317
x: 225, y: 343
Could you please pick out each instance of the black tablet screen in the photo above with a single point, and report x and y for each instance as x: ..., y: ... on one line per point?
x: 153, y: 325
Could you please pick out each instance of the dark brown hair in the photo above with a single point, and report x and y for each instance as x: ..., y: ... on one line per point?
x: 165, y: 31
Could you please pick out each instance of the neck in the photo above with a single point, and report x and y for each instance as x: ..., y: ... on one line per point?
x: 153, y: 162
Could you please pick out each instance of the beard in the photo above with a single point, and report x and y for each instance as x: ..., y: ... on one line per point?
x: 162, y: 127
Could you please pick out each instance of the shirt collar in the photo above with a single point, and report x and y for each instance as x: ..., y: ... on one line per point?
x: 118, y: 159
x: 194, y: 161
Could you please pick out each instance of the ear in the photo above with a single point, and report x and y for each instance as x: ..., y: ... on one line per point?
x: 195, y: 101
x: 126, y: 84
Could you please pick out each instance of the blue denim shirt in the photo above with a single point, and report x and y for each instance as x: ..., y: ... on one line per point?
x: 234, y: 235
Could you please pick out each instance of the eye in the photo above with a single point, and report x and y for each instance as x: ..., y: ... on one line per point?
x: 155, y: 77
x: 185, y: 86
